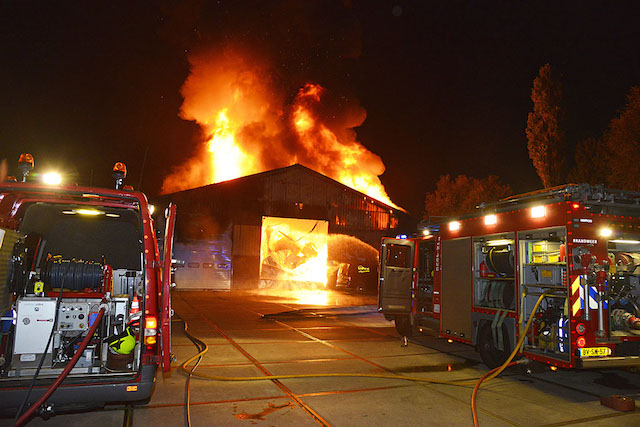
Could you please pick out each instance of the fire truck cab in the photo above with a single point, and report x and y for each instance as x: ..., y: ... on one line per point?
x: 575, y: 248
x: 85, y: 296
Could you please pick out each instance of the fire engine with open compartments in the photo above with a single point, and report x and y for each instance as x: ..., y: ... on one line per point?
x: 478, y: 278
x: 85, y: 294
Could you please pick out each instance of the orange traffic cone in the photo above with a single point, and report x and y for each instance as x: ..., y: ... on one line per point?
x: 135, y: 305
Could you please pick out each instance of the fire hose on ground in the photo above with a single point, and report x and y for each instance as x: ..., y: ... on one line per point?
x: 25, y: 417
x: 203, y: 347
x: 495, y: 372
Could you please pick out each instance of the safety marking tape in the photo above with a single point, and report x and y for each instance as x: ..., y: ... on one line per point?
x: 578, y: 304
x: 576, y: 287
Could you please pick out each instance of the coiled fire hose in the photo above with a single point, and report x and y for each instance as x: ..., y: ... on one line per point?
x: 463, y: 383
x: 29, y: 412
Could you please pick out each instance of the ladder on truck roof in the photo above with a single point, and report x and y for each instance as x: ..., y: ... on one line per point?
x: 609, y: 201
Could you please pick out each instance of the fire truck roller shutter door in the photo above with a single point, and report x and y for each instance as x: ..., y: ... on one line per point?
x: 456, y: 290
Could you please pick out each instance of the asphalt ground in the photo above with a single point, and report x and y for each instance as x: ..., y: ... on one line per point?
x: 252, y: 334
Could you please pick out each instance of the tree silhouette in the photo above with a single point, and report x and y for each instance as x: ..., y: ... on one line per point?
x: 462, y: 194
x: 591, y: 162
x: 622, y: 143
x: 546, y: 140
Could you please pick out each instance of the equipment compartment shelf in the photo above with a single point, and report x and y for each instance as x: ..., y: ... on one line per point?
x: 542, y: 264
x: 543, y: 274
x: 542, y: 285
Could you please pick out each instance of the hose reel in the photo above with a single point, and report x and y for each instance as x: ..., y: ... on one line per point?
x: 75, y: 275
x: 500, y: 260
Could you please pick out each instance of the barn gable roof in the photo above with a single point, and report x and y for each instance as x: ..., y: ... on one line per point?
x: 249, y: 180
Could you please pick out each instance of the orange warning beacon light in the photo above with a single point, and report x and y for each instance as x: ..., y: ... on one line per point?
x: 25, y: 164
x: 119, y: 174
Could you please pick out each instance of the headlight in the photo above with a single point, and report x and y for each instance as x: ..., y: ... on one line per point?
x: 52, y: 178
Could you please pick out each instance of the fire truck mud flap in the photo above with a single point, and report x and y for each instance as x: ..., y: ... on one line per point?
x: 77, y: 397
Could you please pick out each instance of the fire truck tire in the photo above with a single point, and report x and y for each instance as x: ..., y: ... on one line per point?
x: 405, y: 325
x: 490, y: 354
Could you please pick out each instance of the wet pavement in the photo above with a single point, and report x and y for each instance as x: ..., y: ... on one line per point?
x: 252, y: 334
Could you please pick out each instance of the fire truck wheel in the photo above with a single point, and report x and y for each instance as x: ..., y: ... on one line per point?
x: 490, y: 354
x: 405, y: 325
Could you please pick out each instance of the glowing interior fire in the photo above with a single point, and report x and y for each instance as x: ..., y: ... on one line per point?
x: 250, y: 129
x: 294, y: 250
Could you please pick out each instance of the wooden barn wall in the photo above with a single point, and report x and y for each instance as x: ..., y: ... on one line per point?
x: 299, y: 194
x: 246, y: 256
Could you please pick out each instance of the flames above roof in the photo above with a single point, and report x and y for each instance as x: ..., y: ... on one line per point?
x: 250, y: 127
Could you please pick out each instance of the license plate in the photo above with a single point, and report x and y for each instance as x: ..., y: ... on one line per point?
x: 595, y: 351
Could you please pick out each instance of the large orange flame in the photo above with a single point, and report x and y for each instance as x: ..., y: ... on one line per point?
x: 251, y: 129
x: 228, y: 161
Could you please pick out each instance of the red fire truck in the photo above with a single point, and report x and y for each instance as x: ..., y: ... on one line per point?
x: 85, y: 295
x: 576, y: 247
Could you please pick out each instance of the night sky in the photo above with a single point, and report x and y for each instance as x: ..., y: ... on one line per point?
x: 446, y: 85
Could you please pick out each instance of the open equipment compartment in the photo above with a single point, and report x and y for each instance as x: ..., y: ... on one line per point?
x: 67, y: 262
x: 494, y: 278
x: 543, y: 267
x: 85, y: 296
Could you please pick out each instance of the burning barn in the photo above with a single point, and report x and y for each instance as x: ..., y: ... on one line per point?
x: 247, y: 218
x: 284, y: 227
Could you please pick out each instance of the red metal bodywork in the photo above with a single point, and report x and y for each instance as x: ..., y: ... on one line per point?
x: 16, y: 197
x: 582, y: 228
x: 165, y: 295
